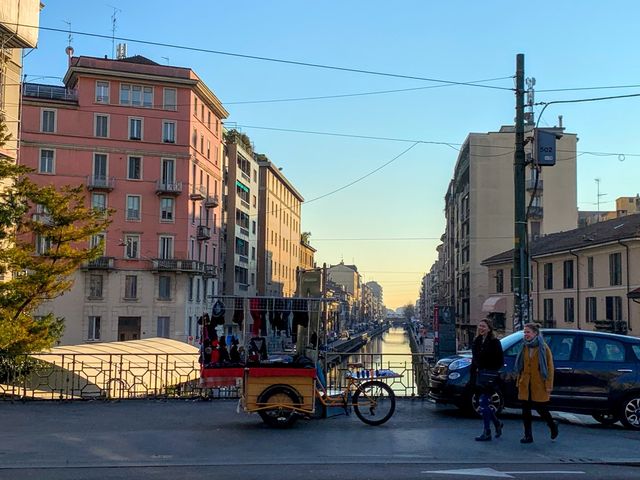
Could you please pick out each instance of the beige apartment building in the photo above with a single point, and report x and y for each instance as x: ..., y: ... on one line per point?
x: 585, y: 278
x: 278, y: 232
x: 480, y: 214
x: 627, y: 205
x: 307, y: 253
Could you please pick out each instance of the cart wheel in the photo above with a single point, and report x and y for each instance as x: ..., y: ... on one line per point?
x: 374, y: 402
x: 280, y: 417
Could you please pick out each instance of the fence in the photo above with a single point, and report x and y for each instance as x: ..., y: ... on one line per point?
x: 139, y: 376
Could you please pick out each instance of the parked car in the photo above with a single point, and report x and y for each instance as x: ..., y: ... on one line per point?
x: 596, y: 373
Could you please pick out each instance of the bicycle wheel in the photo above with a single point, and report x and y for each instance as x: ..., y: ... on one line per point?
x: 282, y: 416
x: 374, y: 402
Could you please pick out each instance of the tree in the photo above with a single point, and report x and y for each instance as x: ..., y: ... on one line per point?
x: 409, y: 312
x: 39, y: 253
x: 305, y: 237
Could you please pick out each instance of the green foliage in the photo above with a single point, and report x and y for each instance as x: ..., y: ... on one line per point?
x: 62, y: 226
x: 242, y: 139
x: 409, y: 311
x: 305, y: 237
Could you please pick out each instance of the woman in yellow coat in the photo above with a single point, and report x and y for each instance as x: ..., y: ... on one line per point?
x: 535, y: 380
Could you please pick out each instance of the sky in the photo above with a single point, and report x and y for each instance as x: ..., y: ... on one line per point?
x: 378, y: 202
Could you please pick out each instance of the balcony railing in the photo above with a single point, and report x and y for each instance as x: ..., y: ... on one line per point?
x: 204, y: 232
x: 198, y: 193
x: 212, y: 201
x: 50, y: 92
x: 100, y: 263
x: 210, y: 270
x: 168, y: 188
x: 100, y: 182
x: 174, y: 265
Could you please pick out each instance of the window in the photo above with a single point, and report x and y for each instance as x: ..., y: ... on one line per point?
x: 201, y: 143
x: 241, y: 275
x: 499, y: 281
x: 131, y: 287
x: 135, y: 128
x: 48, y: 124
x: 613, y: 308
x: 102, y: 125
x: 198, y: 285
x: 163, y: 327
x: 208, y: 149
x: 615, y: 269
x: 43, y: 244
x: 209, y: 119
x: 242, y: 247
x: 253, y: 226
x: 133, y: 207
x: 169, y: 98
x: 102, y: 92
x: 548, y: 276
x: 569, y: 310
x: 591, y: 308
x: 164, y: 287
x: 548, y: 311
x: 195, y: 106
x: 132, y: 246
x: 568, y: 274
x: 95, y: 286
x: 136, y: 95
x: 165, y: 248
x: 100, y: 169
x: 253, y: 253
x: 168, y: 171
x: 602, y: 350
x: 99, y: 239
x: 134, y: 168
x: 47, y: 161
x: 560, y: 345
x: 93, y: 331
x: 168, y: 132
x: 190, y: 292
x: 194, y: 138
x: 590, y: 272
x: 166, y: 209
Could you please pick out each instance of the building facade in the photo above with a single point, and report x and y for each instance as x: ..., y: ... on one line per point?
x: 587, y: 278
x: 279, y: 204
x: 240, y: 205
x: 146, y: 141
x: 479, y: 209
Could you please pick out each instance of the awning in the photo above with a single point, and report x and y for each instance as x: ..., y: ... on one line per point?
x: 634, y: 294
x: 495, y: 305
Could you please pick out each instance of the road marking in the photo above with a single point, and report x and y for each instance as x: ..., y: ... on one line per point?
x: 490, y: 472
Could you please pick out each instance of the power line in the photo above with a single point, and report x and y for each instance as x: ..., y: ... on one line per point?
x: 264, y: 59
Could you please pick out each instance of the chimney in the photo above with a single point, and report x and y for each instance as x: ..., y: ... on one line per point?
x: 560, y: 121
x: 69, y: 52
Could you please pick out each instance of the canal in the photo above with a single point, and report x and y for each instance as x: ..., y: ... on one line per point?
x: 389, y: 351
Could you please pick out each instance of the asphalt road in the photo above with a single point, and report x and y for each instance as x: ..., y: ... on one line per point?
x: 210, y: 440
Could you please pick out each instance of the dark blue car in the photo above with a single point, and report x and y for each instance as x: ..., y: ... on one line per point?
x: 595, y: 373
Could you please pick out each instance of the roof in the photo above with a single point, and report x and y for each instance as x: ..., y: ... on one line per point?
x: 595, y: 234
x: 138, y: 59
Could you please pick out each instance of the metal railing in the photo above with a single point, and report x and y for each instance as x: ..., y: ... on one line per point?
x: 104, y: 376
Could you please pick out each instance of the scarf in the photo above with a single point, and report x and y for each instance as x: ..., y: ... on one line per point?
x: 539, y: 343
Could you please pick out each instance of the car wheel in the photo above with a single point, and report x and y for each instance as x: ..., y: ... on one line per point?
x: 605, y: 418
x: 630, y: 412
x: 496, y: 402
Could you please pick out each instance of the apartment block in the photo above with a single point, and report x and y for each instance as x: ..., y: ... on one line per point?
x: 479, y: 209
x: 279, y: 204
x: 586, y: 278
x: 240, y: 220
x: 146, y: 140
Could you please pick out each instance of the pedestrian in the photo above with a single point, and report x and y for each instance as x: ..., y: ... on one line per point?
x: 487, y: 360
x: 534, y: 365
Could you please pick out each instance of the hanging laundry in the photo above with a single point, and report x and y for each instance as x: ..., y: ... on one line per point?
x: 238, y: 312
x: 217, y: 312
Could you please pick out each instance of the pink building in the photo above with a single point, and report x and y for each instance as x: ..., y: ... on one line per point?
x: 146, y: 140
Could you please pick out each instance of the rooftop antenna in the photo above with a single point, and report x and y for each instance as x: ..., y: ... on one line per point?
x: 528, y: 115
x: 69, y: 36
x: 114, y: 21
x: 167, y: 59
x: 598, y: 195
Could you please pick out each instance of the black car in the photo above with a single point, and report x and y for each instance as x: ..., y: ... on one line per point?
x: 595, y: 373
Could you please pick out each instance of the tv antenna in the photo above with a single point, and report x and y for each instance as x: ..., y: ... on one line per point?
x: 114, y: 21
x: 598, y: 195
x: 69, y: 36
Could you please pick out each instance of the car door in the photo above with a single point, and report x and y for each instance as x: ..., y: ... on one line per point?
x: 563, y: 349
x: 601, y: 370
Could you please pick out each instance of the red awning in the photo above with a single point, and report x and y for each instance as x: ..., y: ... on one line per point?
x: 495, y: 305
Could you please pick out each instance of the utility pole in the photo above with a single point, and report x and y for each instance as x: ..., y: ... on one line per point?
x: 520, y: 252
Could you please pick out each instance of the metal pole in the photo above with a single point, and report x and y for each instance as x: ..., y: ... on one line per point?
x: 520, y: 253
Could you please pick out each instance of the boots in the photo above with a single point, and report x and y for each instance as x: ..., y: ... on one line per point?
x: 553, y: 428
x: 528, y: 435
x: 499, y: 426
x: 485, y: 437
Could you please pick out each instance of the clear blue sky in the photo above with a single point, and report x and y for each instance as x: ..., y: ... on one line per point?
x: 387, y: 224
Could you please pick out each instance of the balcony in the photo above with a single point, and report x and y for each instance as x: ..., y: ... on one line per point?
x: 204, y: 232
x: 198, y: 193
x: 178, y: 266
x: 210, y: 270
x: 49, y: 92
x: 168, y: 188
x: 100, y: 263
x: 211, y: 201
x: 100, y: 182
x: 531, y: 185
x: 535, y: 212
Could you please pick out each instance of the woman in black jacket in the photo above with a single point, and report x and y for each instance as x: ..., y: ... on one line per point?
x: 488, y: 359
